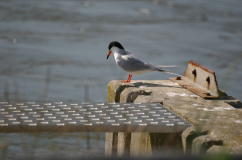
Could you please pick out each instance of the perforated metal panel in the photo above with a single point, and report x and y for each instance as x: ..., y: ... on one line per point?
x: 102, y: 117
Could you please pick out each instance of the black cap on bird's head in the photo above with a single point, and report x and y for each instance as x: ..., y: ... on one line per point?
x: 113, y: 44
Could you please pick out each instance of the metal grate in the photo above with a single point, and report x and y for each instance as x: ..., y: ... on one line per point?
x: 100, y: 117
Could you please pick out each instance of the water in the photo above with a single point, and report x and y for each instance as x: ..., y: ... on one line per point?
x: 55, y: 50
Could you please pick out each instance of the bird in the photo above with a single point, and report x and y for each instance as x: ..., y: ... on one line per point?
x: 131, y: 64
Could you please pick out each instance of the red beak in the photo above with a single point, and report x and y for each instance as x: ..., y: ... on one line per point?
x: 109, y: 53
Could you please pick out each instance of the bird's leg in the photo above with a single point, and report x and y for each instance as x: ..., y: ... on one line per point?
x: 129, y: 79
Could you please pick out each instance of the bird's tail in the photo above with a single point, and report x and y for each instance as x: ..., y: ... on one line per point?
x: 160, y: 69
x: 162, y: 66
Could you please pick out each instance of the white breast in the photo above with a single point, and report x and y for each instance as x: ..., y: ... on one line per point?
x: 116, y: 57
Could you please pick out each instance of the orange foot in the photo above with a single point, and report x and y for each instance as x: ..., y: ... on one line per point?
x: 125, y: 81
x: 128, y: 80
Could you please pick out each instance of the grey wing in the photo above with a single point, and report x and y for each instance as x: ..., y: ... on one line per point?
x: 132, y: 64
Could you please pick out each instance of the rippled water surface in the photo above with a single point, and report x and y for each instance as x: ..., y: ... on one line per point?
x: 55, y: 50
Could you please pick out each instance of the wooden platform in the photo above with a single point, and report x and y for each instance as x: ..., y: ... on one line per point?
x: 216, y: 123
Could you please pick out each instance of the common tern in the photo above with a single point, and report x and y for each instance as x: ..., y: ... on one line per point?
x: 131, y: 64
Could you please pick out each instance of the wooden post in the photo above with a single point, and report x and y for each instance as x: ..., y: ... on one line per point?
x: 110, y: 144
x: 111, y: 138
x: 123, y: 143
x: 140, y: 144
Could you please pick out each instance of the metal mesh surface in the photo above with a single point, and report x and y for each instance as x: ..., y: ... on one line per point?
x: 102, y: 117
